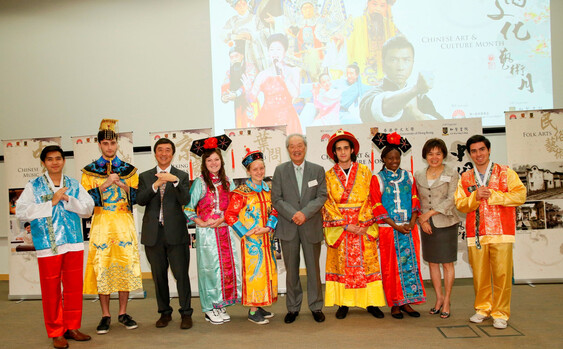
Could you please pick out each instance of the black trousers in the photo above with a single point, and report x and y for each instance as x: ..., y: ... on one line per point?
x: 162, y: 255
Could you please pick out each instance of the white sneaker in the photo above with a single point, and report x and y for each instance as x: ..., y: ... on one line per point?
x: 224, y: 315
x: 478, y: 318
x: 499, y: 324
x: 214, y: 317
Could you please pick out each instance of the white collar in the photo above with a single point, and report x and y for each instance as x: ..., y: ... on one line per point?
x: 295, y: 167
x: 51, y: 183
x: 159, y: 170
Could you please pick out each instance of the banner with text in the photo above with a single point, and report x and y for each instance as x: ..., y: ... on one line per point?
x: 22, y: 163
x: 535, y: 151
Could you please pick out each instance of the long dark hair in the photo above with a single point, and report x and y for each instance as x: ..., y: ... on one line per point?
x: 207, y: 176
x: 388, y: 148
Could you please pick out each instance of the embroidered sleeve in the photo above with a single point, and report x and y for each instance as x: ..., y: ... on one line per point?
x: 379, y: 211
x: 89, y: 185
x: 463, y: 202
x: 190, y: 210
x: 516, y: 194
x: 415, y: 200
x: 27, y: 209
x: 82, y: 206
x: 332, y: 217
x: 133, y: 183
x: 236, y: 204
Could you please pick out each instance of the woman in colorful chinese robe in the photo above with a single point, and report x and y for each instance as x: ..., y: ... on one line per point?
x: 217, y: 255
x: 253, y: 218
x: 395, y: 207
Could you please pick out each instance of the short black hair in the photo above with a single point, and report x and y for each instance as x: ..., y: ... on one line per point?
x: 396, y: 42
x: 279, y: 37
x: 476, y: 139
x: 434, y: 143
x: 353, y: 156
x: 165, y: 141
x: 355, y: 67
x: 48, y: 149
x: 26, y: 224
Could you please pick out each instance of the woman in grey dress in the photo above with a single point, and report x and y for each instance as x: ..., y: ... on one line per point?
x: 439, y: 220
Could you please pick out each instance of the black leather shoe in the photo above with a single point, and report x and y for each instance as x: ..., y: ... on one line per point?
x: 164, y: 320
x: 375, y: 311
x: 290, y: 316
x: 318, y: 315
x: 396, y: 312
x: 186, y: 322
x: 342, y: 312
x: 411, y: 312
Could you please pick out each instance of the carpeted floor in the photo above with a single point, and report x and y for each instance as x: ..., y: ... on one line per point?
x: 536, y: 322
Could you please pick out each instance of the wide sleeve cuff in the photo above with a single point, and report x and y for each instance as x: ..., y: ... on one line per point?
x: 132, y: 197
x: 240, y: 229
x: 515, y: 196
x: 272, y: 222
x: 96, y: 195
x: 373, y: 232
x: 465, y: 203
x: 195, y: 195
x: 334, y: 236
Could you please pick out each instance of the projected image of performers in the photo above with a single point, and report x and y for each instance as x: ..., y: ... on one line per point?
x: 307, y: 63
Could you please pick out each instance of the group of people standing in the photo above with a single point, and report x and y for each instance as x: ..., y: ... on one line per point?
x: 368, y: 221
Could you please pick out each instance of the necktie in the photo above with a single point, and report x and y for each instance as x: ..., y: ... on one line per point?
x: 161, y: 190
x: 299, y: 176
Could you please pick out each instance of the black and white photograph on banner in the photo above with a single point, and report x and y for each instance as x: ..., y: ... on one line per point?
x: 192, y: 239
x: 86, y: 225
x: 21, y: 240
x: 542, y: 180
x: 554, y: 214
x: 14, y: 195
x: 530, y: 216
x: 535, y: 153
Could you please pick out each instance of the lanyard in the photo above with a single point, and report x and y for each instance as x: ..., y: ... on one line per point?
x: 487, y: 177
x: 481, y: 183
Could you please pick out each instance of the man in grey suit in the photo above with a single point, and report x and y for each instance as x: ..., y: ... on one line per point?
x: 164, y: 190
x: 298, y: 194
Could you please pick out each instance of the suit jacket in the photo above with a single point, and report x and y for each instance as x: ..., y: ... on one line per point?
x: 287, y: 201
x: 439, y: 196
x: 175, y: 224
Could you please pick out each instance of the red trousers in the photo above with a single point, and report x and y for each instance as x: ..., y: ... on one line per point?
x: 62, y: 311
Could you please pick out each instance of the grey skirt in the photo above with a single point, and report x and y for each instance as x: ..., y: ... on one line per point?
x: 441, y: 245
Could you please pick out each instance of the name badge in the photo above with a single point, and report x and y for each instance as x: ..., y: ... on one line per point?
x: 446, y: 179
x: 312, y: 183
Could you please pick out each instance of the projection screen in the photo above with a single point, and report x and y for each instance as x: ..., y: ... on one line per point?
x: 310, y: 63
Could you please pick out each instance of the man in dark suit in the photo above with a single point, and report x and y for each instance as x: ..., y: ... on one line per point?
x: 164, y: 190
x: 298, y: 194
